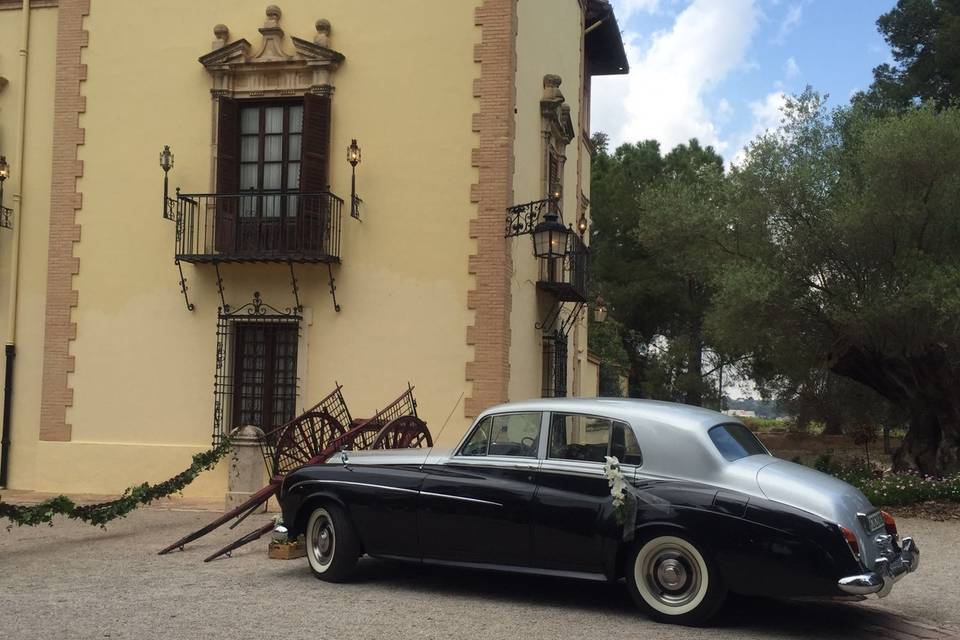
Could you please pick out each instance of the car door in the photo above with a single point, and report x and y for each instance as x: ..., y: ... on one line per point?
x: 477, y: 507
x: 574, y: 528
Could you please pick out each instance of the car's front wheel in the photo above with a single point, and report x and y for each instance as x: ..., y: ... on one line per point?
x: 332, y: 544
x: 673, y: 580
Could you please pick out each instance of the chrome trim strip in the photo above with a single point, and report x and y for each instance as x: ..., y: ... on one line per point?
x: 358, y: 484
x: 447, y: 495
x: 583, y: 469
x: 496, y: 462
x: 383, y: 486
x: 509, y: 568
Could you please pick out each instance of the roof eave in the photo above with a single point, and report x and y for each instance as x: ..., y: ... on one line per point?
x: 606, y: 55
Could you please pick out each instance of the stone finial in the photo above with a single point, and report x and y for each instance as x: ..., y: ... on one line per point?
x: 222, y: 35
x: 323, y: 33
x: 551, y: 89
x: 273, y: 17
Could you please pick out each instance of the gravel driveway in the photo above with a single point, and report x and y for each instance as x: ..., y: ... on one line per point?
x: 74, y: 581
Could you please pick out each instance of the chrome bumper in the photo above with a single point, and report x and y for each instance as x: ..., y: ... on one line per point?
x: 887, y: 569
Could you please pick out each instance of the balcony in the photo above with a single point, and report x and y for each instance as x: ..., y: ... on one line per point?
x: 260, y: 226
x: 566, y: 278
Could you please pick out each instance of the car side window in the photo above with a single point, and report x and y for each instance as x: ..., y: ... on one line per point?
x: 624, y: 446
x: 479, y: 440
x: 576, y: 437
x: 590, y: 439
x: 515, y: 434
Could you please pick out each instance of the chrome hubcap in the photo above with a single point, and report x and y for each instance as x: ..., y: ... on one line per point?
x: 321, y: 538
x: 672, y: 575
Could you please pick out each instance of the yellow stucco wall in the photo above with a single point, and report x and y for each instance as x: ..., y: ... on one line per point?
x: 143, y: 381
x: 31, y: 214
x: 547, y: 43
x: 143, y: 384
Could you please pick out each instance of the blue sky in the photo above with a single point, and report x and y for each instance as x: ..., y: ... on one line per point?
x: 718, y: 69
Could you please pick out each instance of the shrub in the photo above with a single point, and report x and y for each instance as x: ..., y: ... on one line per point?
x: 765, y: 425
x: 890, y: 489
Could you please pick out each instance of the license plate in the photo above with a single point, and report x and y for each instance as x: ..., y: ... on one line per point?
x: 874, y: 522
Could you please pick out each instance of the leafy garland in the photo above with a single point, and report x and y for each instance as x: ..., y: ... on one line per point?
x: 102, y: 513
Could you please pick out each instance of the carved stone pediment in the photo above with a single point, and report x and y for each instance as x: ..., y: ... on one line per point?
x: 555, y: 111
x: 276, y: 66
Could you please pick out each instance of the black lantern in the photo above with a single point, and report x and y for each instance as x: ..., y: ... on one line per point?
x: 353, y: 157
x: 166, y: 158
x: 353, y: 153
x: 4, y: 174
x: 166, y: 163
x: 600, y: 310
x: 582, y: 224
x: 5, y: 213
x: 550, y: 237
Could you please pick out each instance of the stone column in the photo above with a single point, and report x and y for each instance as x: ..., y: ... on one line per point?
x: 246, y: 472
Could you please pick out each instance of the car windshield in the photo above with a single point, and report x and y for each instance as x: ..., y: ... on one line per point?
x: 735, y: 441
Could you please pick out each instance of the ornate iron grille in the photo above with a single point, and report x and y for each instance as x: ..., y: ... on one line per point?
x: 566, y: 278
x: 256, y: 367
x: 522, y: 218
x: 6, y: 217
x: 554, y: 365
x: 258, y: 226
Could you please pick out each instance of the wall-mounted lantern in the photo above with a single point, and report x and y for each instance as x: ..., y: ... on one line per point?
x: 166, y: 163
x: 353, y: 157
x: 556, y: 192
x: 600, y: 310
x: 550, y: 237
x: 6, y: 213
x: 582, y: 224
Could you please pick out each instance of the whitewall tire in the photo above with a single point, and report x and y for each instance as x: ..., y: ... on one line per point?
x: 673, y: 580
x: 332, y: 545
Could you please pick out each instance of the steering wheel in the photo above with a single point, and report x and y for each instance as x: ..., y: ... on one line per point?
x: 577, y: 452
x: 529, y: 445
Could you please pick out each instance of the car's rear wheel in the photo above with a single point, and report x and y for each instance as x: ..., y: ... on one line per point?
x: 673, y: 580
x: 332, y: 544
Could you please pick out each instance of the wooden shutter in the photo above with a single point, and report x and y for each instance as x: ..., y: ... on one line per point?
x: 315, y: 152
x: 228, y: 174
x: 314, y: 171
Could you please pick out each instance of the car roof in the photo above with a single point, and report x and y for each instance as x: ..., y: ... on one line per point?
x: 627, y: 409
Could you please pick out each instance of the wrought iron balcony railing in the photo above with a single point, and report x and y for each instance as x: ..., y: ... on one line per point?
x: 261, y: 226
x: 522, y: 218
x: 566, y: 278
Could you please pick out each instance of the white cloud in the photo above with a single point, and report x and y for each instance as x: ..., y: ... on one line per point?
x: 626, y: 8
x: 663, y: 97
x: 767, y: 115
x: 791, y: 68
x: 790, y: 22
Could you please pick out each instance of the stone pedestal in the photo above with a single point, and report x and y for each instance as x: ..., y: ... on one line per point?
x: 246, y: 472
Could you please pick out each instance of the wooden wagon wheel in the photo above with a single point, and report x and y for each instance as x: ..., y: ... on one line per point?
x: 406, y: 432
x: 302, y: 440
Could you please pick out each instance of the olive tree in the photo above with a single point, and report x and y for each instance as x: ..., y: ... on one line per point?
x: 844, y: 237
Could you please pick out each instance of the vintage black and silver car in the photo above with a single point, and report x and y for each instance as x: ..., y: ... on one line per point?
x: 705, y: 510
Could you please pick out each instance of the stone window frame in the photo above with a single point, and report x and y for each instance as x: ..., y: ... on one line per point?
x: 557, y: 131
x: 270, y: 71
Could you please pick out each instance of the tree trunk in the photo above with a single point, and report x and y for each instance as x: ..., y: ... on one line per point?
x: 927, y: 386
x: 694, y: 394
x: 695, y: 382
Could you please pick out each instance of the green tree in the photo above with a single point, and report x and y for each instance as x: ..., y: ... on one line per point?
x: 618, y: 265
x: 924, y: 38
x: 680, y: 217
x: 653, y: 255
x: 846, y: 249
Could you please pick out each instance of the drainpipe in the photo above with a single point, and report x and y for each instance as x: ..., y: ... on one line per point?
x: 10, y: 350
